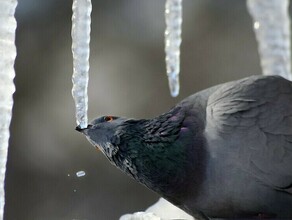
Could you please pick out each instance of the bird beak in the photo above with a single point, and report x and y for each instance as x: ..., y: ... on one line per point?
x: 83, y: 130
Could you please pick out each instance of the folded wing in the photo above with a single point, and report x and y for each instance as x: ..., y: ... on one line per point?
x: 253, y: 117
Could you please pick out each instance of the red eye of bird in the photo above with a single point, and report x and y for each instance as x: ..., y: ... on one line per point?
x: 108, y: 118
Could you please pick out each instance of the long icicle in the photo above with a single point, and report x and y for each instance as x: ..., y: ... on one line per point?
x: 272, y: 29
x: 80, y: 49
x: 173, y: 18
x: 7, y: 88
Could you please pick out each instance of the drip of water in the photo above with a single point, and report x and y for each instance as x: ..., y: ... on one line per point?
x: 7, y: 88
x: 80, y: 173
x: 80, y: 49
x: 272, y: 28
x: 173, y: 18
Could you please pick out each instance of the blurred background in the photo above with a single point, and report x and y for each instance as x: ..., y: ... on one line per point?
x: 127, y: 78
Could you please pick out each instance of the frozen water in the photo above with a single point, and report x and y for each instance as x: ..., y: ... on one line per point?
x: 140, y: 216
x: 272, y: 28
x: 160, y: 210
x: 80, y: 173
x: 173, y: 18
x: 7, y: 88
x: 166, y: 210
x: 80, y: 49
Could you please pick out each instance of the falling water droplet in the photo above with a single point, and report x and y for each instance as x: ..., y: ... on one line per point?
x: 256, y: 25
x: 80, y: 173
x: 173, y: 19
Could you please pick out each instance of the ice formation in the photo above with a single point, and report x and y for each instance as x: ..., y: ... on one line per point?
x: 80, y: 49
x: 272, y: 29
x: 7, y: 88
x: 173, y: 18
x: 140, y: 216
x: 162, y: 209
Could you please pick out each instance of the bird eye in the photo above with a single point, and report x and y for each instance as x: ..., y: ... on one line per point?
x: 108, y: 118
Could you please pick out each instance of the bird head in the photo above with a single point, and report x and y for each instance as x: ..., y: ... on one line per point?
x: 101, y: 133
x: 117, y: 138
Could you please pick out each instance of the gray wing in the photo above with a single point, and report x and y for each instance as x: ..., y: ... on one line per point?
x: 253, y: 118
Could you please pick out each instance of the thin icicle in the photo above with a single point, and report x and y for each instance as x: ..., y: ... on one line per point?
x: 7, y: 88
x: 80, y: 49
x: 272, y: 28
x: 173, y: 18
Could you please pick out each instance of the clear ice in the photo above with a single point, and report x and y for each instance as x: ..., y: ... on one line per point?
x: 80, y: 49
x: 7, y: 88
x: 140, y: 216
x: 173, y: 18
x: 272, y: 29
x: 80, y: 173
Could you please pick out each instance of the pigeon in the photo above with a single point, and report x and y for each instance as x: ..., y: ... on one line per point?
x: 224, y: 152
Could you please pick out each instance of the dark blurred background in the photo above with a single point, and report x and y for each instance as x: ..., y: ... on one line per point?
x: 127, y: 78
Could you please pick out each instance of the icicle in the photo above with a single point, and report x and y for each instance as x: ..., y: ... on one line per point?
x: 173, y: 18
x: 272, y: 28
x: 7, y: 88
x: 80, y: 49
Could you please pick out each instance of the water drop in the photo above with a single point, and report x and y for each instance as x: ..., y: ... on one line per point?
x: 80, y: 173
x: 256, y: 25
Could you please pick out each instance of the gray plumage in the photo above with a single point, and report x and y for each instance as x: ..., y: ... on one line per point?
x: 223, y: 152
